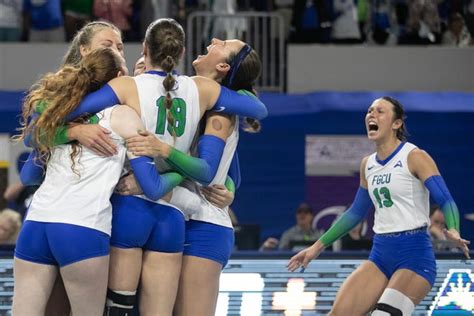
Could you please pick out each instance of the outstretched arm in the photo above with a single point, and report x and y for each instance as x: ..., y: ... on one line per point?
x: 424, y: 168
x: 92, y: 136
x: 117, y: 91
x: 221, y: 99
x: 95, y: 102
x: 354, y: 215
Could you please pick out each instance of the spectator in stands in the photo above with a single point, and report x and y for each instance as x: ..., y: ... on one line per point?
x: 457, y: 33
x: 384, y: 28
x: 437, y: 229
x: 17, y: 195
x: 77, y: 13
x: 10, y: 20
x: 299, y: 235
x: 345, y: 28
x: 10, y: 224
x: 43, y: 21
x: 363, y: 17
x: 117, y: 12
x: 469, y: 15
x: 423, y: 25
x: 311, y: 21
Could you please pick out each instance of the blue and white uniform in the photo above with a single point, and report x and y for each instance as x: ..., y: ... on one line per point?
x: 401, y: 216
x: 209, y: 231
x: 139, y: 222
x: 74, y: 206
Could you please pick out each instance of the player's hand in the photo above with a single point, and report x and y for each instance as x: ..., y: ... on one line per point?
x: 93, y: 137
x: 454, y: 236
x: 218, y: 195
x: 128, y: 186
x: 147, y: 144
x: 302, y: 258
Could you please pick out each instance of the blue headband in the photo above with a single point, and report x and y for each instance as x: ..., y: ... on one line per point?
x: 235, y: 65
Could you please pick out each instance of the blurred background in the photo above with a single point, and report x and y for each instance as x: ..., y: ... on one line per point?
x: 324, y: 62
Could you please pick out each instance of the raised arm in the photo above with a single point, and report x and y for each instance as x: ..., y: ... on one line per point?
x: 92, y: 135
x: 126, y: 123
x: 118, y: 91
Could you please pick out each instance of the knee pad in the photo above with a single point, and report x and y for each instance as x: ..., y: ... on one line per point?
x: 120, y: 303
x: 393, y: 303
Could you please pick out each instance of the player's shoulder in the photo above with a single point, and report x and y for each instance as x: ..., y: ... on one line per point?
x: 124, y: 120
x: 417, y: 153
x: 363, y: 162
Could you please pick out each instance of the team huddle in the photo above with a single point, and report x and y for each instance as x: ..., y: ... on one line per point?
x: 136, y: 175
x: 163, y: 133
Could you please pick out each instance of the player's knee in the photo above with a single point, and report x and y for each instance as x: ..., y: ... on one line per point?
x: 120, y: 303
x: 393, y: 303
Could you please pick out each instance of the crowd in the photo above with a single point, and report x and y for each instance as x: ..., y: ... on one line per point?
x: 376, y: 22
x: 306, y: 231
x: 383, y: 22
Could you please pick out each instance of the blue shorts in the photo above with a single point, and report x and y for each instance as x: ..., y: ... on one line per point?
x: 138, y: 223
x: 410, y: 250
x: 209, y: 241
x: 60, y: 244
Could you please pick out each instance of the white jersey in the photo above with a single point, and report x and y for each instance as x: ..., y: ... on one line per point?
x: 66, y: 197
x: 194, y: 205
x: 185, y: 108
x: 401, y: 200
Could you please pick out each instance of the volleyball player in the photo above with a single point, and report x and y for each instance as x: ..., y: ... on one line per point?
x: 209, y: 234
x: 398, y: 180
x: 188, y: 98
x: 68, y: 224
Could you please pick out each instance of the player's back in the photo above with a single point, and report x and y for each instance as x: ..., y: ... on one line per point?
x: 79, y: 196
x: 184, y: 109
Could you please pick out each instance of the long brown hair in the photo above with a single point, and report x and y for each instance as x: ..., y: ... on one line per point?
x: 60, y: 93
x: 165, y: 41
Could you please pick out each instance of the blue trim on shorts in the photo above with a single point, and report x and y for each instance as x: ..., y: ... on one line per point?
x: 410, y: 250
x: 209, y: 241
x: 60, y: 244
x: 139, y: 223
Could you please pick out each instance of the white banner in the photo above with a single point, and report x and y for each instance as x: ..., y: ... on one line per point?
x: 335, y: 155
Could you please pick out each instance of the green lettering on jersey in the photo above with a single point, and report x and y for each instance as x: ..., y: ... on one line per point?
x: 177, y: 111
x: 383, y: 197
